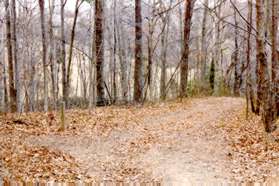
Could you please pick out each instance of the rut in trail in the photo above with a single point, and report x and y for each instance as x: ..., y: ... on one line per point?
x: 180, y: 146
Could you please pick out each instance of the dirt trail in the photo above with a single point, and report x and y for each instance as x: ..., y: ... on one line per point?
x: 182, y: 146
x: 201, y: 152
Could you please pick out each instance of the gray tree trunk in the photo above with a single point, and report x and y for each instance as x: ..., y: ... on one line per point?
x: 12, y: 90
x: 44, y: 47
x: 52, y: 62
x: 138, y: 73
x: 204, y: 43
x: 15, y: 54
x: 236, y: 58
x: 164, y: 51
x: 63, y: 51
x: 68, y: 74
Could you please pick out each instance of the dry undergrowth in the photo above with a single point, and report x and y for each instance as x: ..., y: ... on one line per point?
x: 254, y: 155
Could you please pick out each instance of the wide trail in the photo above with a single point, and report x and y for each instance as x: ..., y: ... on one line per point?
x: 180, y: 145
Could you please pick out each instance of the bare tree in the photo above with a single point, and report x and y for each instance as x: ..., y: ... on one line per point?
x: 68, y: 83
x: 249, y: 89
x: 99, y: 53
x: 92, y: 64
x: 114, y: 50
x: 15, y: 54
x: 63, y: 50
x: 53, y: 66
x: 236, y: 58
x: 203, y: 42
x: 189, y: 5
x: 3, y: 81
x: 122, y: 55
x: 42, y: 16
x: 138, y: 79
x: 12, y: 90
x: 164, y: 50
x: 263, y: 91
x: 275, y: 58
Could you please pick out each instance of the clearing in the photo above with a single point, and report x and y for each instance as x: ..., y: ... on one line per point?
x: 174, y: 142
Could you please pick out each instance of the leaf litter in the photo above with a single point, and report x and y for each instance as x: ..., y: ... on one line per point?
x: 151, y: 143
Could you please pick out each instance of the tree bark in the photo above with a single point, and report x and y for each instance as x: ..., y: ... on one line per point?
x: 99, y: 52
x: 236, y: 58
x: 203, y: 42
x: 63, y: 52
x: 15, y: 54
x: 123, y: 62
x: 263, y: 91
x: 92, y: 64
x: 5, y: 88
x: 261, y: 58
x: 164, y: 51
x: 149, y: 57
x: 43, y: 33
x: 249, y: 89
x: 218, y: 81
x: 3, y: 79
x: 12, y: 90
x: 51, y: 59
x: 68, y: 76
x: 138, y: 73
x: 189, y: 4
x: 275, y: 59
x: 114, y: 85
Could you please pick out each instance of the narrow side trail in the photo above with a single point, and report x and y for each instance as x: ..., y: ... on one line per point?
x: 186, y: 144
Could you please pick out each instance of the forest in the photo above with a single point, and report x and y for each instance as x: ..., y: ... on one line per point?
x: 160, y: 92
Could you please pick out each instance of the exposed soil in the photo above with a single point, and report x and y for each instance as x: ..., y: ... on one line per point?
x: 175, y: 143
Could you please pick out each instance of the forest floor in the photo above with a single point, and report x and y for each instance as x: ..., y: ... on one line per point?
x: 178, y: 142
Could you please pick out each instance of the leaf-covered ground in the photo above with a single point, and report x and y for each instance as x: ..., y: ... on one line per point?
x: 174, y: 142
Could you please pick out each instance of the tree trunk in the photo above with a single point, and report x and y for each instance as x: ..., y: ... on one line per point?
x: 114, y: 86
x: 92, y: 64
x: 5, y: 88
x: 3, y: 78
x: 33, y: 84
x: 123, y: 62
x: 15, y: 53
x: 163, y: 67
x: 63, y: 52
x: 189, y: 4
x: 263, y: 91
x: 218, y: 50
x: 42, y: 16
x: 2, y: 73
x: 164, y: 51
x: 236, y: 58
x: 149, y: 58
x: 138, y: 74
x: 99, y: 53
x: 212, y: 75
x: 261, y: 58
x: 203, y: 42
x: 275, y: 59
x: 68, y: 76
x: 51, y: 54
x: 249, y: 89
x: 12, y: 90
